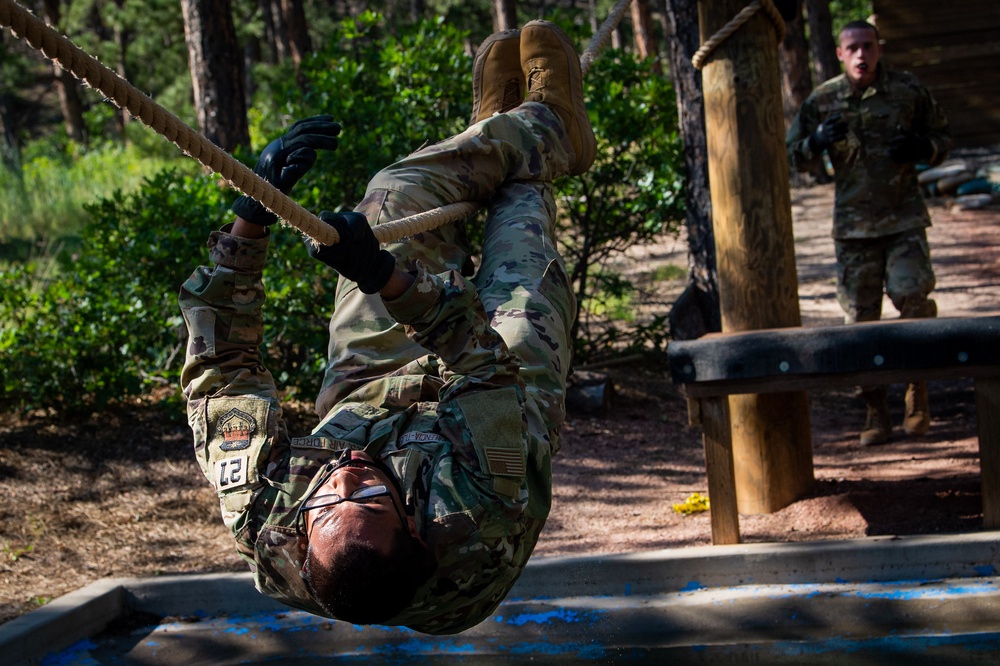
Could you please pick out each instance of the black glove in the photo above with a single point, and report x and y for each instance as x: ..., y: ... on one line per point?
x: 829, y: 132
x: 357, y: 256
x: 908, y: 147
x: 285, y: 160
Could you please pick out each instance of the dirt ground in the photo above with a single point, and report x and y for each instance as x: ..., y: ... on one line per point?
x: 120, y: 495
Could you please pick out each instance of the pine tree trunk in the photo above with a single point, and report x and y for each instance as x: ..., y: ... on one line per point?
x: 822, y: 42
x: 504, y: 15
x: 216, y: 64
x: 696, y: 312
x: 122, y: 38
x: 642, y: 27
x: 298, y: 30
x: 66, y: 85
x: 417, y: 9
x: 282, y: 45
x: 796, y: 77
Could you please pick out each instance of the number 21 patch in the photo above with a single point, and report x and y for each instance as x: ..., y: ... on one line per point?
x: 232, y: 472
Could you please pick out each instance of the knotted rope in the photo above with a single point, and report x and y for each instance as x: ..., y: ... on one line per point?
x: 698, y: 59
x: 88, y: 69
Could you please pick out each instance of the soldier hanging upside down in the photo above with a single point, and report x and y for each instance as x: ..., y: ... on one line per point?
x: 419, y: 497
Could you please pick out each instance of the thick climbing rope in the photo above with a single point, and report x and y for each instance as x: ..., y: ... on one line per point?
x: 88, y: 69
x: 698, y: 59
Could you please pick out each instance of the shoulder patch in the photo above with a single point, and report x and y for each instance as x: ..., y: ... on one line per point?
x: 237, y: 440
x: 237, y: 428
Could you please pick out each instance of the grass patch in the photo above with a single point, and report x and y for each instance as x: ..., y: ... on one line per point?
x: 668, y: 272
x: 46, y: 197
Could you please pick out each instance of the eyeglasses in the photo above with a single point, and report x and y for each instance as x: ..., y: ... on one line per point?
x: 361, y: 495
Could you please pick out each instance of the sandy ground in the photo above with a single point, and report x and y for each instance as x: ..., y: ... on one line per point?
x: 619, y: 495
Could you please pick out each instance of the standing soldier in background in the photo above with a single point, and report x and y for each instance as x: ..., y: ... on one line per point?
x: 876, y: 125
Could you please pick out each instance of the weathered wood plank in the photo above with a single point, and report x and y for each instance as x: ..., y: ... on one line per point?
x: 988, y: 421
x: 717, y: 439
x: 895, y: 345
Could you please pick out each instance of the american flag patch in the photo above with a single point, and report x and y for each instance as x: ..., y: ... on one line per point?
x: 505, y: 462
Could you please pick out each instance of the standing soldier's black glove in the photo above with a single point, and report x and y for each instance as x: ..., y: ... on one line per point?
x: 357, y: 256
x: 285, y: 160
x: 906, y: 146
x: 829, y: 132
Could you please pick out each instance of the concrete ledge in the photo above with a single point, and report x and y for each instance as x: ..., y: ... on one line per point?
x: 871, y: 559
x: 764, y: 599
x: 63, y: 621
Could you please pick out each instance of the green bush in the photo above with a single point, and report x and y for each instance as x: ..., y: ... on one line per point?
x: 391, y: 96
x: 632, y: 194
x: 105, y: 324
x: 46, y: 197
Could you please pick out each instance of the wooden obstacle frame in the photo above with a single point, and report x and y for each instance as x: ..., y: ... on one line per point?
x: 710, y: 369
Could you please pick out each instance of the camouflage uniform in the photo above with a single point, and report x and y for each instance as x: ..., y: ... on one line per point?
x: 457, y: 385
x: 879, y: 215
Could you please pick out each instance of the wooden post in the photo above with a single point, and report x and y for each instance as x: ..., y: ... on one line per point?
x: 751, y: 209
x: 717, y: 437
x: 988, y: 420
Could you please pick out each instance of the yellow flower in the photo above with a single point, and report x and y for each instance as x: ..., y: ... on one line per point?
x: 693, y: 504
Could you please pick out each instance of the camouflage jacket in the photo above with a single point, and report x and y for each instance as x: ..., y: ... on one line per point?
x: 875, y: 196
x: 452, y: 425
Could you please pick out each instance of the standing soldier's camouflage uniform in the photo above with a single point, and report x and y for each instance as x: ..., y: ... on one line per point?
x: 879, y: 214
x: 462, y: 398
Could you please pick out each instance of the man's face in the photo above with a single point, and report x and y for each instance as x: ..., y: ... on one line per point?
x: 373, y: 521
x: 860, y: 51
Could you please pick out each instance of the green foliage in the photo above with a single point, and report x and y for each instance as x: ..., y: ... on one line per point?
x: 391, y: 95
x: 145, y: 39
x: 103, y: 323
x: 107, y: 325
x: 632, y: 195
x: 843, y: 12
x: 46, y: 197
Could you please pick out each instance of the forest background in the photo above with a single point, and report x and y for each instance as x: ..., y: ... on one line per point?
x: 101, y: 219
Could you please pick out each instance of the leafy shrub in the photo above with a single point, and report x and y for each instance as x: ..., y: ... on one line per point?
x: 632, y: 194
x: 391, y: 96
x: 46, y: 197
x: 106, y: 325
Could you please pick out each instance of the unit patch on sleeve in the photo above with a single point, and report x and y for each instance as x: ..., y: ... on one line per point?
x: 237, y: 441
x: 237, y: 428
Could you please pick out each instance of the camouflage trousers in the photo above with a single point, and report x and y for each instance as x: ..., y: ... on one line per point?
x: 507, y: 162
x: 899, y: 265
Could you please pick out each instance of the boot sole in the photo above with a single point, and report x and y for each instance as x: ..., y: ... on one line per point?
x: 586, y: 139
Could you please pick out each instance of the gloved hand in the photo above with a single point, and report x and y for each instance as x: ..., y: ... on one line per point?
x: 285, y: 160
x: 357, y: 256
x: 829, y: 132
x: 906, y: 146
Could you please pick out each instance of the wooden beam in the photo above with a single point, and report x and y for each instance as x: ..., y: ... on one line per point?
x: 717, y: 438
x: 988, y: 421
x: 751, y: 207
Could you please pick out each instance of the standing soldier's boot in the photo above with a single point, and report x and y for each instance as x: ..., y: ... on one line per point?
x: 878, y: 425
x: 918, y: 414
x: 497, y: 79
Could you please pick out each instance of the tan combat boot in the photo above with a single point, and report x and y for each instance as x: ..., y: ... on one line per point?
x: 497, y: 77
x: 878, y: 424
x: 918, y: 412
x: 552, y: 70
